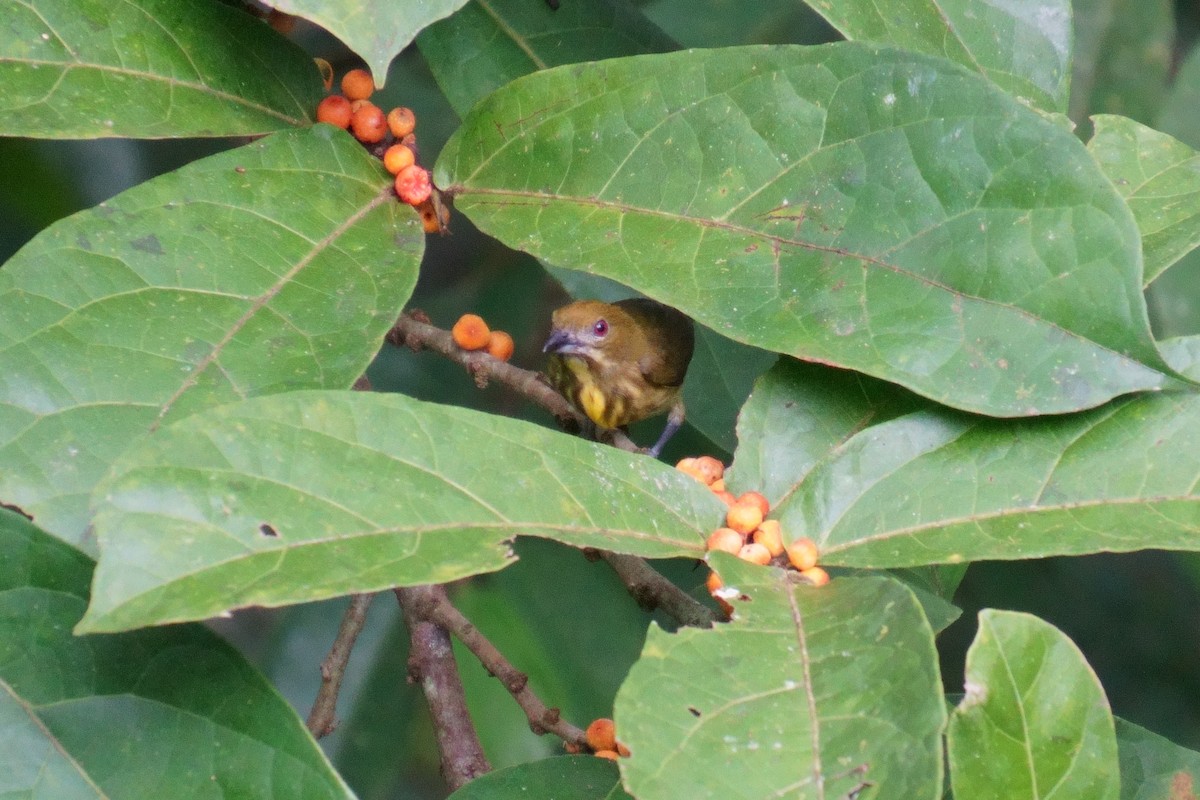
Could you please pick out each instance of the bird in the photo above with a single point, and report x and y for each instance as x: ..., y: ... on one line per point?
x: 618, y: 363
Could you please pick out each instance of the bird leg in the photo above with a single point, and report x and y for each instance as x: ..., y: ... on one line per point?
x: 674, y: 423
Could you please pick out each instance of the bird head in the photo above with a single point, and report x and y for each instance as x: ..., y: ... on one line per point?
x: 585, y: 328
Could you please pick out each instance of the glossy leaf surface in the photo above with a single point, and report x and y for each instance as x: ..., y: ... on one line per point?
x: 807, y: 693
x: 880, y: 479
x: 377, y: 30
x: 171, y: 712
x: 273, y: 267
x: 884, y: 211
x: 1034, y: 722
x: 310, y: 495
x: 1160, y: 179
x: 83, y: 69
x: 1024, y: 48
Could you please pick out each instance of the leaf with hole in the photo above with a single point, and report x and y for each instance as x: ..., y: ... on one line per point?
x: 308, y: 495
x: 1034, y: 721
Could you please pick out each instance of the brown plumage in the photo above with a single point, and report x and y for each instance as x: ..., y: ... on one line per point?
x: 621, y: 362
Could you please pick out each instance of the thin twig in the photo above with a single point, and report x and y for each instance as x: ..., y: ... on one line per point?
x: 431, y: 664
x: 322, y: 719
x: 542, y: 718
x: 653, y: 591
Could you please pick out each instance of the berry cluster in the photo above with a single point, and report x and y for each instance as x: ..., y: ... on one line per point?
x: 748, y: 534
x: 353, y: 110
x: 602, y: 739
x: 472, y: 333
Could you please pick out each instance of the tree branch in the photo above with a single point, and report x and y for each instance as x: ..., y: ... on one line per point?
x: 322, y: 719
x: 542, y: 718
x: 653, y: 591
x: 431, y: 664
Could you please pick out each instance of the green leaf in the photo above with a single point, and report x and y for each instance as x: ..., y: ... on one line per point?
x: 490, y: 42
x: 276, y: 266
x: 171, y: 712
x: 864, y: 207
x: 1034, y: 721
x: 1024, y: 48
x: 1154, y: 768
x: 375, y: 29
x: 1159, y: 178
x: 878, y: 488
x: 1123, y: 52
x: 563, y: 778
x: 82, y: 69
x: 308, y: 495
x: 806, y: 693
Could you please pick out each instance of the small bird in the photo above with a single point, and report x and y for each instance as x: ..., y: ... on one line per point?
x: 621, y: 362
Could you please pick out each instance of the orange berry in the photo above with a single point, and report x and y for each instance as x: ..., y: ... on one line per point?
x: 622, y: 750
x: 612, y: 755
x: 413, y: 185
x: 770, y: 536
x: 755, y: 553
x: 714, y: 582
x: 397, y: 157
x: 757, y: 499
x: 572, y: 748
x: 500, y: 345
x: 726, y: 539
x: 743, y: 517
x: 802, y: 553
x: 815, y: 575
x: 602, y: 735
x: 711, y: 468
x: 725, y: 497
x: 402, y: 121
x: 335, y: 110
x: 718, y: 485
x: 688, y: 467
x: 357, y: 84
x: 471, y: 332
x: 367, y: 124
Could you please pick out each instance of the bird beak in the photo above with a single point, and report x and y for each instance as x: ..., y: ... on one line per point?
x: 560, y: 341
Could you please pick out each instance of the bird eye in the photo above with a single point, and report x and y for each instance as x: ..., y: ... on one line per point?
x: 600, y: 328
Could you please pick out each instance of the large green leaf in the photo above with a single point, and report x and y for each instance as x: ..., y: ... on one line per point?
x: 866, y: 207
x: 273, y: 267
x: 1154, y: 768
x: 308, y: 495
x: 1024, y: 48
x: 375, y: 29
x: 1034, y: 722
x: 490, y: 42
x: 82, y: 69
x: 1122, y: 59
x: 879, y: 488
x: 1160, y: 179
x: 566, y: 778
x: 807, y: 693
x: 171, y: 712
